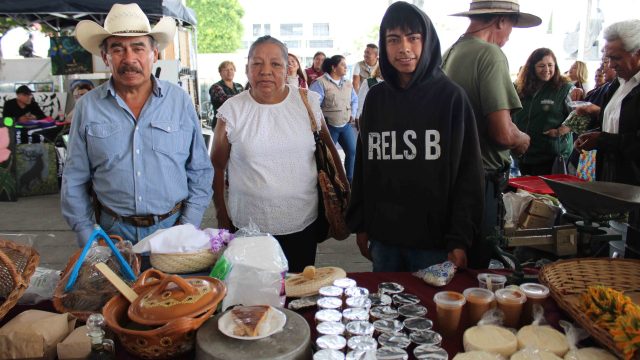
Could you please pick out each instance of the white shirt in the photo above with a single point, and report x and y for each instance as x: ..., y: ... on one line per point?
x: 272, y: 170
x: 362, y: 94
x: 611, y: 118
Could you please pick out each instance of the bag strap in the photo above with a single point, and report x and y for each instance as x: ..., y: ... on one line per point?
x: 312, y: 118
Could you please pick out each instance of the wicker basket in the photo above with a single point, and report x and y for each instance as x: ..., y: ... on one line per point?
x: 59, y: 291
x: 184, y: 263
x: 567, y: 279
x: 17, y: 264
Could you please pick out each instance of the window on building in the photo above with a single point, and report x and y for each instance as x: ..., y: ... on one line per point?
x: 321, y: 29
x: 315, y: 44
x: 257, y: 29
x: 267, y: 29
x: 292, y: 44
x: 290, y: 29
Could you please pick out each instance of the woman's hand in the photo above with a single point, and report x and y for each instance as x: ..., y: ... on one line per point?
x: 587, y: 141
x: 577, y: 94
x: 563, y: 129
x: 362, y: 239
x: 458, y: 257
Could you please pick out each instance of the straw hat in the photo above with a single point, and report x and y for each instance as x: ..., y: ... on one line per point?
x: 501, y: 7
x: 124, y: 20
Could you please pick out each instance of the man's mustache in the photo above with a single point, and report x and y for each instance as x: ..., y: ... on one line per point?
x: 129, y: 68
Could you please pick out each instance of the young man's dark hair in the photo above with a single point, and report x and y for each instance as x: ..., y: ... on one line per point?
x: 417, y: 187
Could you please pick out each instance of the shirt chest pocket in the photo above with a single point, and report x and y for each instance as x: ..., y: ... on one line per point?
x: 103, y: 140
x: 168, y: 138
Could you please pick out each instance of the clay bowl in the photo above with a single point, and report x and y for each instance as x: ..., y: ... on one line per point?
x: 166, y: 341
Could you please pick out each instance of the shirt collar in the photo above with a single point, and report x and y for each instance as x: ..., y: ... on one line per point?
x: 156, y: 88
x: 339, y: 82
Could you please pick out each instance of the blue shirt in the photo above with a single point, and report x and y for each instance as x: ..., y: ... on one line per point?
x: 136, y: 167
x: 317, y: 87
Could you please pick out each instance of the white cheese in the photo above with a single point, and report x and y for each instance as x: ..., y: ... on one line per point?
x: 543, y: 338
x: 490, y: 338
x: 478, y: 355
x: 590, y: 353
x: 533, y: 354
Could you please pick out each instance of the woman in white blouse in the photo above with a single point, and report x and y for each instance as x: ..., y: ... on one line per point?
x: 263, y: 139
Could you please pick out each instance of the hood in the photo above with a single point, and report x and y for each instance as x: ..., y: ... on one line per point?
x: 430, y: 60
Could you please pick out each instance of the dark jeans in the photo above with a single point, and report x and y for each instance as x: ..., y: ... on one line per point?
x: 390, y: 258
x: 300, y: 248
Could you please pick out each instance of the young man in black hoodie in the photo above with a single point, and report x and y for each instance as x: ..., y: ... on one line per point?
x: 417, y: 189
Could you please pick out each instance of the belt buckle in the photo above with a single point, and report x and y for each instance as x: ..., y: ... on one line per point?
x: 141, y: 221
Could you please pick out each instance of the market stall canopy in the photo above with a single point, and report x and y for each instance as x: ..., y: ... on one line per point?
x: 60, y: 14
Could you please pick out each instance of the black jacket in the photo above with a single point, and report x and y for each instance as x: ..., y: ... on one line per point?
x: 418, y: 179
x: 618, y: 157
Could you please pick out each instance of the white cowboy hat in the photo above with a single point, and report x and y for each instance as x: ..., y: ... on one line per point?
x: 500, y: 7
x: 124, y: 20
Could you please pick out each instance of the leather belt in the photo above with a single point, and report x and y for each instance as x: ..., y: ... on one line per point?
x: 142, y: 220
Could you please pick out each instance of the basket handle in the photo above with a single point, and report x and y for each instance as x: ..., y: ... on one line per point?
x: 149, y: 275
x: 11, y: 267
x: 176, y: 279
x: 98, y: 232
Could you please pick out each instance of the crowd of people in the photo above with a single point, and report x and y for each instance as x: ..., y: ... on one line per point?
x: 428, y: 138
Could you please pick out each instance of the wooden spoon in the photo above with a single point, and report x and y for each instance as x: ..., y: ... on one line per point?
x: 113, y: 278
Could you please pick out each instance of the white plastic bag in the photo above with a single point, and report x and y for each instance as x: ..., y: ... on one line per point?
x: 515, y: 203
x: 253, y: 267
x: 41, y: 286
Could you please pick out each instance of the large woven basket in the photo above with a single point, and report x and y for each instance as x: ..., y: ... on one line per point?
x: 17, y: 264
x: 184, y: 263
x: 567, y: 279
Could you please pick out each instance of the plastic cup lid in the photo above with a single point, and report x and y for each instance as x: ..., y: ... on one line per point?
x: 481, y: 293
x: 511, y: 295
x: 449, y: 298
x: 495, y: 278
x: 535, y: 291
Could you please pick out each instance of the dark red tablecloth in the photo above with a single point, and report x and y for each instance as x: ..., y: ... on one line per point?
x: 463, y: 279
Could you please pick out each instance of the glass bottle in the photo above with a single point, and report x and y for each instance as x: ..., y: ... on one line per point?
x: 101, y: 348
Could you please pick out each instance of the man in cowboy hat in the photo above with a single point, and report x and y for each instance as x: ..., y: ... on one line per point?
x: 135, y: 140
x: 478, y: 65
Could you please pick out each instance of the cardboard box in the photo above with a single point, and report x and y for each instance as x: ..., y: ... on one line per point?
x: 538, y: 207
x: 534, y: 222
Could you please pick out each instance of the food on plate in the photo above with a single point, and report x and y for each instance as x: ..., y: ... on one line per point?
x: 543, y: 338
x: 490, y: 338
x: 250, y: 320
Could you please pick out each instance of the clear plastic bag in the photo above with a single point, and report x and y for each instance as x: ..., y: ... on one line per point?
x: 41, y: 286
x: 253, y: 267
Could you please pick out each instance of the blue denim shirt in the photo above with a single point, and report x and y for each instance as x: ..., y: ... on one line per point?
x: 136, y: 167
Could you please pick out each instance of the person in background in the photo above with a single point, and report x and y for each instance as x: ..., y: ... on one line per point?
x: 363, y: 69
x: 617, y: 136
x: 23, y: 108
x: 26, y: 49
x: 477, y: 63
x: 376, y: 77
x: 295, y: 75
x: 545, y: 97
x: 578, y: 74
x: 225, y: 88
x: 315, y: 71
x: 78, y: 88
x: 339, y: 104
x: 135, y: 140
x: 417, y: 188
x: 263, y: 134
x: 597, y: 94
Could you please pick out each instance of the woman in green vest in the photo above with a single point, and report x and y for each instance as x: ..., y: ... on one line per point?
x: 545, y: 97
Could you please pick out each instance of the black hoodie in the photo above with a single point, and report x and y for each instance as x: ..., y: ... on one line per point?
x: 418, y: 179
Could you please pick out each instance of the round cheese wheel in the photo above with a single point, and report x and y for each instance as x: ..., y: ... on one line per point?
x: 532, y: 354
x: 490, y: 338
x: 590, y: 353
x: 543, y: 338
x: 478, y: 355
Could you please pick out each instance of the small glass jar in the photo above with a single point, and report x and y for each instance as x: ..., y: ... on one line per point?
x: 383, y: 312
x: 355, y: 314
x: 330, y: 328
x: 394, y: 340
x: 328, y: 315
x: 412, y: 310
x: 391, y: 353
x: 428, y: 337
x: 344, y: 283
x: 359, y: 302
x: 328, y: 354
x: 390, y: 288
x: 363, y: 343
x: 356, y: 291
x: 405, y: 299
x: 430, y: 352
x: 329, y: 303
x: 330, y: 291
x: 359, y: 328
x: 417, y: 324
x: 490, y: 281
x: 387, y: 326
x: 332, y: 342
x: 380, y: 299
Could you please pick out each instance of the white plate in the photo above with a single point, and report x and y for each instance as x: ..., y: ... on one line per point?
x: 274, y: 324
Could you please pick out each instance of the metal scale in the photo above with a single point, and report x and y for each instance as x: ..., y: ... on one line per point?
x: 588, y: 204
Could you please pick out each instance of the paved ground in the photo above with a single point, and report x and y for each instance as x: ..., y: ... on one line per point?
x: 39, y: 218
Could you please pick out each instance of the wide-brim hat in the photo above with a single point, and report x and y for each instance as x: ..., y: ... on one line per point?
x: 124, y: 20
x: 501, y: 7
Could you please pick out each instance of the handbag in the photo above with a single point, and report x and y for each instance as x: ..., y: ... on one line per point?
x: 560, y: 162
x: 587, y: 165
x: 334, y: 192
